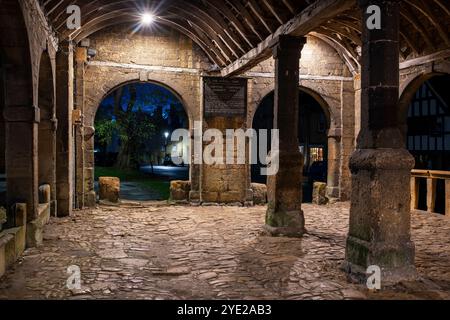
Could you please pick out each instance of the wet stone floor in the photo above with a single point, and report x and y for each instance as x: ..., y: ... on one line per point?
x: 156, y: 251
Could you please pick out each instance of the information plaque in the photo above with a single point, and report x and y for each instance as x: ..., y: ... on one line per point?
x: 226, y: 97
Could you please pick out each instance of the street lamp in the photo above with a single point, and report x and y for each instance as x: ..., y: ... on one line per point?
x: 166, y: 135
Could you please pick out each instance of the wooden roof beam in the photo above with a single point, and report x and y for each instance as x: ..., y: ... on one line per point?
x: 425, y: 9
x: 309, y: 19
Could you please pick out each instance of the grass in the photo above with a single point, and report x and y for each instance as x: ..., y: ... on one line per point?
x: 145, y: 181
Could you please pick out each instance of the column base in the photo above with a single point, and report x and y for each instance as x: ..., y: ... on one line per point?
x: 54, y: 208
x: 379, y: 230
x: 64, y: 208
x: 90, y: 199
x: 332, y: 193
x: 395, y: 261
x: 288, y: 224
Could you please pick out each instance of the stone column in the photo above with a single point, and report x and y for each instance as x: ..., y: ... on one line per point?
x: 334, y: 163
x: 347, y: 145
x: 21, y: 157
x: 79, y: 70
x: 195, y: 168
x: 284, y: 189
x: 380, y: 203
x: 64, y: 107
x: 357, y: 87
x: 47, y: 151
x: 2, y: 133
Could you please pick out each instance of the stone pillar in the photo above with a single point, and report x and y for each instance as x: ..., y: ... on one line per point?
x: 357, y: 87
x: 334, y: 156
x: 2, y: 132
x: 80, y: 59
x: 284, y: 190
x: 347, y: 145
x: 195, y: 168
x: 47, y: 152
x: 90, y: 197
x: 21, y: 157
x: 225, y: 104
x: 2, y: 120
x: 380, y: 203
x: 64, y: 107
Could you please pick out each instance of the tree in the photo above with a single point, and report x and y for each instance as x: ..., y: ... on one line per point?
x: 134, y: 128
x: 135, y: 113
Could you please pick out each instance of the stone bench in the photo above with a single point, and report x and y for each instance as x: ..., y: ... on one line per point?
x: 319, y: 193
x: 109, y: 189
x: 259, y: 193
x: 13, y: 240
x: 179, y: 191
x: 35, y: 228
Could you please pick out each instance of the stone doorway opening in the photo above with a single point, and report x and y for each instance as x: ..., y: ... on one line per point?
x: 314, y: 123
x: 428, y: 132
x: 133, y: 128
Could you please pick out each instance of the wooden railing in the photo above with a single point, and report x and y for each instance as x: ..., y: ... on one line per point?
x: 432, y: 177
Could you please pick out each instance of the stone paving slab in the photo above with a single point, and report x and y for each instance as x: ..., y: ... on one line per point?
x: 155, y: 251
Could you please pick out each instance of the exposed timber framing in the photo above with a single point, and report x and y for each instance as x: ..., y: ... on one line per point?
x: 444, y: 54
x: 309, y: 19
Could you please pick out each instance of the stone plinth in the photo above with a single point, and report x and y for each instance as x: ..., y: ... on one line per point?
x: 45, y: 194
x: 109, y: 189
x: 380, y: 224
x: 319, y: 193
x: 5, y: 240
x: 2, y: 217
x: 259, y: 193
x: 179, y: 190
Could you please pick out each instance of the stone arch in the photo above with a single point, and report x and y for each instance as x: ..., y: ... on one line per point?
x: 334, y: 135
x: 92, y: 109
x: 178, y: 88
x: 325, y: 103
x: 161, y: 84
x: 47, y: 125
x: 409, y: 89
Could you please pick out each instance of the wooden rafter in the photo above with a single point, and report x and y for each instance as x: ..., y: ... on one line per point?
x: 235, y: 33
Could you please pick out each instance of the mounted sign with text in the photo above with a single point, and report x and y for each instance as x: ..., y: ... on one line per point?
x: 226, y: 97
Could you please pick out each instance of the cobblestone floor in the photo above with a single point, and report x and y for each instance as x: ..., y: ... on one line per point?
x: 154, y: 251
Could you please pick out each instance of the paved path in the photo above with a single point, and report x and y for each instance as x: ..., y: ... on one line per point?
x: 132, y: 191
x: 169, y: 173
x: 154, y: 251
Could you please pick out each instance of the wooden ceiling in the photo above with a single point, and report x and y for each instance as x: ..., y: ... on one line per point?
x: 227, y: 30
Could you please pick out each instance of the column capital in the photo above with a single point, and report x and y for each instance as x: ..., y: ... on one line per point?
x: 335, y: 133
x: 66, y: 46
x: 286, y: 44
